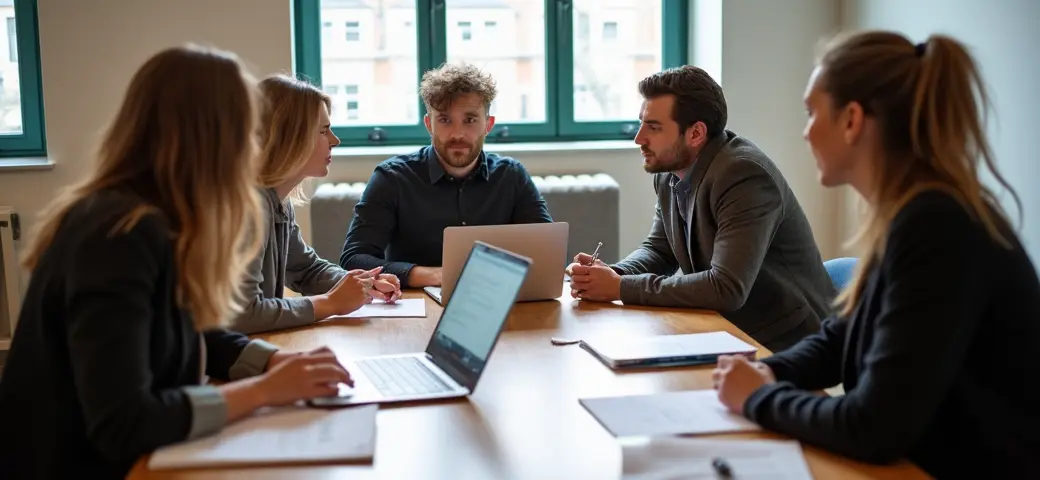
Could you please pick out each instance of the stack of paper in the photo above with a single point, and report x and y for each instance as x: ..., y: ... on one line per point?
x: 671, y: 458
x: 286, y: 435
x: 689, y: 412
x: 405, y: 307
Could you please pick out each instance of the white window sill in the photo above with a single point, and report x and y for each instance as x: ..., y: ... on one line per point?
x: 501, y: 148
x: 25, y: 164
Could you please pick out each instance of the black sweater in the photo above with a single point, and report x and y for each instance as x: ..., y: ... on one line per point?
x: 938, y: 359
x: 104, y: 367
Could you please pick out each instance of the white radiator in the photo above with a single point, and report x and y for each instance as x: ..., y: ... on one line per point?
x: 10, y: 293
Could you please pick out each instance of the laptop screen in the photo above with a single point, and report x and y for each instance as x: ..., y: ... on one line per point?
x: 475, y: 314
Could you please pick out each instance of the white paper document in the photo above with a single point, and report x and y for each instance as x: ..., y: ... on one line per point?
x: 285, y: 435
x: 673, y: 458
x: 692, y: 412
x: 404, y: 307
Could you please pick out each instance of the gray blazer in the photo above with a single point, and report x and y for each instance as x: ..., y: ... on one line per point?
x: 285, y: 260
x: 750, y: 254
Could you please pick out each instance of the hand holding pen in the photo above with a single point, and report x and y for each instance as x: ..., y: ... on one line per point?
x: 377, y: 285
x: 591, y: 261
x: 385, y: 287
x: 593, y: 280
x: 586, y: 260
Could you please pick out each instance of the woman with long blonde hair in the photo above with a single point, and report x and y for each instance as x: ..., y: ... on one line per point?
x: 297, y: 140
x: 934, y: 338
x: 135, y: 270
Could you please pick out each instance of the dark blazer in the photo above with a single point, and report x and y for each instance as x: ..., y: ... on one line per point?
x: 104, y: 367
x: 938, y: 358
x: 748, y: 252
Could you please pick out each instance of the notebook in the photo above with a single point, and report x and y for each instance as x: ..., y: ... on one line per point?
x: 668, y: 458
x: 667, y: 350
x: 289, y: 435
x: 688, y: 412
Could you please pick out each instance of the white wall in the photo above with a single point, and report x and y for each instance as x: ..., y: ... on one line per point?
x: 90, y: 50
x: 768, y: 51
x: 1003, y: 36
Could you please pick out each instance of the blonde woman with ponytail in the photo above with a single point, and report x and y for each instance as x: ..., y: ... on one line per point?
x: 297, y: 142
x: 135, y: 270
x: 934, y: 339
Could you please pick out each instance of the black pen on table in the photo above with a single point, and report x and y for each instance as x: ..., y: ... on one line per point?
x: 721, y: 467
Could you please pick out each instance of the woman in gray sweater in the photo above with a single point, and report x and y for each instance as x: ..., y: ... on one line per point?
x: 297, y: 144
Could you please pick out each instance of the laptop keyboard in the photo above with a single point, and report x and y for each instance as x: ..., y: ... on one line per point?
x: 397, y: 376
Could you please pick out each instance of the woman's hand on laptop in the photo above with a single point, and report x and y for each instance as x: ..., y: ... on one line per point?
x: 302, y: 377
x: 283, y: 355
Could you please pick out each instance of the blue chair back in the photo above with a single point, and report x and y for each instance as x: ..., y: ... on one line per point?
x: 840, y: 270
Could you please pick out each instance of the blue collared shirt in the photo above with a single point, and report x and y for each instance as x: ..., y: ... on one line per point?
x: 682, y: 189
x: 409, y: 201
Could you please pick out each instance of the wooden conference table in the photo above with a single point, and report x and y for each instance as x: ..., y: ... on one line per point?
x: 523, y: 421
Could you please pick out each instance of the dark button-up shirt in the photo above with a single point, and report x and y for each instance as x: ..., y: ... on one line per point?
x: 409, y: 201
x: 682, y: 188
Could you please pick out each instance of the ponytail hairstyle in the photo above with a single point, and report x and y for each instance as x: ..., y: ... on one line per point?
x: 930, y: 104
x: 184, y: 142
x: 287, y: 130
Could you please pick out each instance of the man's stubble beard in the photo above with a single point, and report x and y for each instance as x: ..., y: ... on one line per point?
x: 678, y: 157
x: 444, y: 152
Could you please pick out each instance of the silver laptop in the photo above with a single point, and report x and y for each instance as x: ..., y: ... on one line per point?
x: 464, y: 338
x: 544, y: 243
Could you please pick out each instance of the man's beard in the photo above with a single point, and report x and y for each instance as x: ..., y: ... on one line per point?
x: 459, y: 159
x: 675, y: 158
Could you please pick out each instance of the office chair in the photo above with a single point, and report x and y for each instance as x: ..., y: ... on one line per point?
x: 840, y: 270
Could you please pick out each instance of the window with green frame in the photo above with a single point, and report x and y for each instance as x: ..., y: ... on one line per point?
x: 21, y: 103
x: 566, y: 70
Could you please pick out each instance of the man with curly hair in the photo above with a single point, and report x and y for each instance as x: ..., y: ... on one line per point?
x: 410, y: 199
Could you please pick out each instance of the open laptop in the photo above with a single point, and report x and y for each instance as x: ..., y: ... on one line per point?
x: 544, y: 243
x: 461, y: 343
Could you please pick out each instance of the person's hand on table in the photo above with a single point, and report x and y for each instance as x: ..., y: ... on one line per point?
x: 736, y: 379
x: 593, y: 281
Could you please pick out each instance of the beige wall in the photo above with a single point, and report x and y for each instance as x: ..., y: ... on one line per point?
x: 1003, y: 37
x: 90, y: 49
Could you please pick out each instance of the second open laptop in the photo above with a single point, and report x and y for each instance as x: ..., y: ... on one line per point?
x: 458, y: 350
x: 544, y: 243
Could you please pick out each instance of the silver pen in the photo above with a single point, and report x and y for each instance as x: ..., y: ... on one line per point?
x: 595, y: 256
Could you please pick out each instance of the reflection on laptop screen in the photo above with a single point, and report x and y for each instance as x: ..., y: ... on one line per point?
x: 483, y: 296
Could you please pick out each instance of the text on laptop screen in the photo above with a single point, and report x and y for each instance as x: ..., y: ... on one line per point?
x: 483, y: 296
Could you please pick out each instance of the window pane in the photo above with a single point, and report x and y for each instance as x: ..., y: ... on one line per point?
x: 616, y: 44
x: 505, y: 38
x: 369, y: 64
x: 10, y: 93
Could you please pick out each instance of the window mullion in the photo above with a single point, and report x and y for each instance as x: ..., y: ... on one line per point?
x: 431, y: 37
x: 675, y: 24
x: 559, y: 46
x: 307, y: 16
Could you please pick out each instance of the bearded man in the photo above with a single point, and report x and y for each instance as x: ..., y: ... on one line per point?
x: 728, y: 234
x: 410, y: 199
